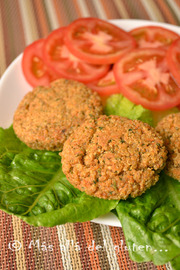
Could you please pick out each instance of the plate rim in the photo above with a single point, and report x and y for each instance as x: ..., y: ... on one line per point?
x: 110, y: 218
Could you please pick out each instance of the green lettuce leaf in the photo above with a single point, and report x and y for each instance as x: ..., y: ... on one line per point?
x: 119, y: 105
x: 33, y: 187
x: 151, y: 223
x: 175, y: 263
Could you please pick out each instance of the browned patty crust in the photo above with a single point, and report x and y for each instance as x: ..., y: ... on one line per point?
x: 113, y: 157
x: 47, y: 115
x: 169, y: 129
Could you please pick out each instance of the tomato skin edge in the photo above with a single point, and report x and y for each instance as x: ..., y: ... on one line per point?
x: 90, y: 58
x: 106, y: 86
x: 160, y: 29
x: 57, y: 35
x: 105, y: 91
x: 172, y: 61
x: 35, y: 49
x: 133, y: 95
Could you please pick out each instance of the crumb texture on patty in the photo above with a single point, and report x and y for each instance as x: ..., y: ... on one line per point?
x: 48, y: 115
x: 169, y: 129
x: 113, y: 157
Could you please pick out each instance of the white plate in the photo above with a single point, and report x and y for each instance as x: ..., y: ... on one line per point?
x: 13, y: 87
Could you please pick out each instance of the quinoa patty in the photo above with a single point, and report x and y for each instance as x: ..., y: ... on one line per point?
x: 113, y: 157
x: 169, y: 129
x: 47, y: 115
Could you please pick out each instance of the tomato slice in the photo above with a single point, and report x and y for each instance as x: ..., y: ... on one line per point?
x: 153, y: 36
x: 106, y: 85
x: 173, y: 58
x: 58, y: 58
x: 33, y: 66
x: 97, y: 41
x: 144, y: 78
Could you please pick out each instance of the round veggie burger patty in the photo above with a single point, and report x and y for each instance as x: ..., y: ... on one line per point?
x: 169, y: 129
x: 113, y: 157
x: 47, y: 115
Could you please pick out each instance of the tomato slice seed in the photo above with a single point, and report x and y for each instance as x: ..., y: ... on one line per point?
x: 96, y: 41
x: 143, y: 76
x: 58, y: 57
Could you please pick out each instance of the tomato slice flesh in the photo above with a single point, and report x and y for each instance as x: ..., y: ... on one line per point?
x: 61, y: 60
x: 97, y: 41
x: 105, y: 86
x: 173, y: 58
x: 38, y: 67
x: 35, y: 70
x: 58, y: 57
x: 143, y: 77
x: 153, y: 36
